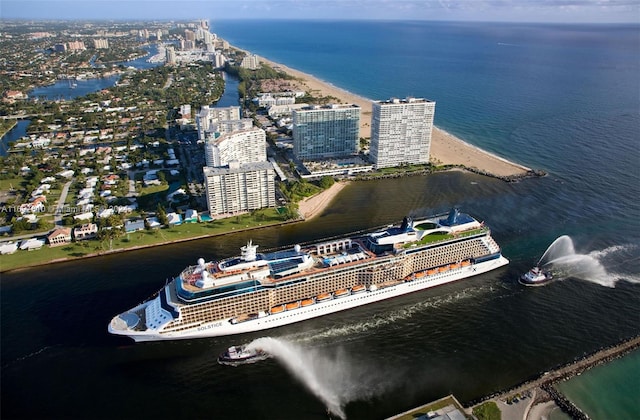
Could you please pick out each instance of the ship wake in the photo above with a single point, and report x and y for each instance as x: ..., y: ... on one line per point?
x: 354, y: 330
x: 334, y: 378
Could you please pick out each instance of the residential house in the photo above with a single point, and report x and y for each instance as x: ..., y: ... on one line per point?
x: 86, y: 231
x: 59, y: 237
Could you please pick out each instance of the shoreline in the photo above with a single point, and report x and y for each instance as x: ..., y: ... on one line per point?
x: 446, y: 148
x: 546, y: 397
x: 313, y: 206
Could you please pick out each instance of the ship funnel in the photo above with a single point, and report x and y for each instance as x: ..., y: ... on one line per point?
x: 248, y: 252
x: 407, y: 223
x: 453, y: 217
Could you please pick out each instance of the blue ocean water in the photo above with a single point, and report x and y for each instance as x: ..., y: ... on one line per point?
x: 562, y: 98
x: 559, y: 98
x: 615, y: 386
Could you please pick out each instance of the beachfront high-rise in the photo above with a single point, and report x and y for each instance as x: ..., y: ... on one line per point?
x: 321, y: 132
x: 401, y: 131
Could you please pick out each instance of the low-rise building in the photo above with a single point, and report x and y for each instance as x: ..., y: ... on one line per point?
x: 86, y: 231
x: 59, y: 237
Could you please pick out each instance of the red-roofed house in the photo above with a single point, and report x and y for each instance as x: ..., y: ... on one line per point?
x: 59, y: 237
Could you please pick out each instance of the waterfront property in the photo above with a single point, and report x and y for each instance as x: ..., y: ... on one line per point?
x: 321, y: 132
x: 401, y: 131
x: 240, y: 187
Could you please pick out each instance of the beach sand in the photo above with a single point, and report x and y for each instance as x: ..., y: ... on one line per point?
x: 446, y: 149
x: 314, y: 205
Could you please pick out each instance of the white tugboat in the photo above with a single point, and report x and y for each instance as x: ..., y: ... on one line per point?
x: 536, y: 277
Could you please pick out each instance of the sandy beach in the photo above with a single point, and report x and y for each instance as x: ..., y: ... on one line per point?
x: 446, y: 149
x: 314, y: 205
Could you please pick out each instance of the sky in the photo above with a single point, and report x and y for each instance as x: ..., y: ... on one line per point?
x: 551, y: 11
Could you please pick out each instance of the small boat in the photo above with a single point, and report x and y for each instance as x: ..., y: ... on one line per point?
x: 240, y: 355
x: 342, y: 293
x: 293, y: 305
x: 277, y: 309
x: 536, y: 276
x: 323, y: 296
x: 308, y: 302
x: 358, y: 288
x: 443, y: 268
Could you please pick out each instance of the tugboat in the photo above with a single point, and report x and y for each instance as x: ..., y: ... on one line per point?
x: 536, y: 277
x: 240, y: 355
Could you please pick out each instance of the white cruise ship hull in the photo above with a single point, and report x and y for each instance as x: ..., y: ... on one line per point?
x: 224, y: 327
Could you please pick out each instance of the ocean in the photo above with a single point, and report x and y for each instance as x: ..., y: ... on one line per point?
x: 562, y: 98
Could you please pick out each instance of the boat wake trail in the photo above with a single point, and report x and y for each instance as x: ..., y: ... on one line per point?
x: 352, y: 331
x: 334, y: 378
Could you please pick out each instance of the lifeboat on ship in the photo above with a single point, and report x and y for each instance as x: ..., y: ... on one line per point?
x: 277, y: 309
x: 307, y: 302
x: 431, y: 272
x: 359, y: 288
x: 420, y: 274
x: 454, y: 266
x: 323, y: 296
x: 293, y: 305
x: 443, y: 269
x: 465, y: 263
x: 341, y: 293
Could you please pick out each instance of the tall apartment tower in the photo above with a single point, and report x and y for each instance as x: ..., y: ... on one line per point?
x: 401, y: 131
x: 213, y: 122
x: 170, y: 55
x: 240, y: 187
x: 243, y: 146
x: 326, y: 132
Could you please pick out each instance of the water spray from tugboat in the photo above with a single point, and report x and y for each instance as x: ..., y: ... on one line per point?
x: 334, y: 379
x: 562, y: 258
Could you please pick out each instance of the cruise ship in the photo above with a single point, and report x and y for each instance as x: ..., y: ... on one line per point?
x: 257, y: 291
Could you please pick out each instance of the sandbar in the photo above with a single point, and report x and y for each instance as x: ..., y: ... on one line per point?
x: 446, y: 149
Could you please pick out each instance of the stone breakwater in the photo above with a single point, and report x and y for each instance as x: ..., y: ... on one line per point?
x: 544, y: 383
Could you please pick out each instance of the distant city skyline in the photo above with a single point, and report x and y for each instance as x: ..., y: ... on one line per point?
x: 550, y: 11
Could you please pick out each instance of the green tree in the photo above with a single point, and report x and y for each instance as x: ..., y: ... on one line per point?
x: 326, y: 182
x: 161, y: 213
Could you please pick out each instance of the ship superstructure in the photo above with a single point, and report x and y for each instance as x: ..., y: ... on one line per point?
x: 256, y: 291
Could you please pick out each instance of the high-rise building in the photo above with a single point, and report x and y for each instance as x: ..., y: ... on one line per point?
x: 212, y: 122
x: 243, y: 146
x: 401, y: 131
x: 170, y: 55
x: 250, y: 62
x: 219, y: 60
x: 240, y: 187
x: 321, y: 132
x: 76, y: 46
x: 101, y: 43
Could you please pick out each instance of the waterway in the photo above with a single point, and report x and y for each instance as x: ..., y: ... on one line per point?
x: 17, y: 132
x: 469, y: 338
x: 607, y: 391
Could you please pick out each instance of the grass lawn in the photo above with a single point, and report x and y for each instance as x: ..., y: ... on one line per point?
x: 185, y: 231
x: 6, y: 184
